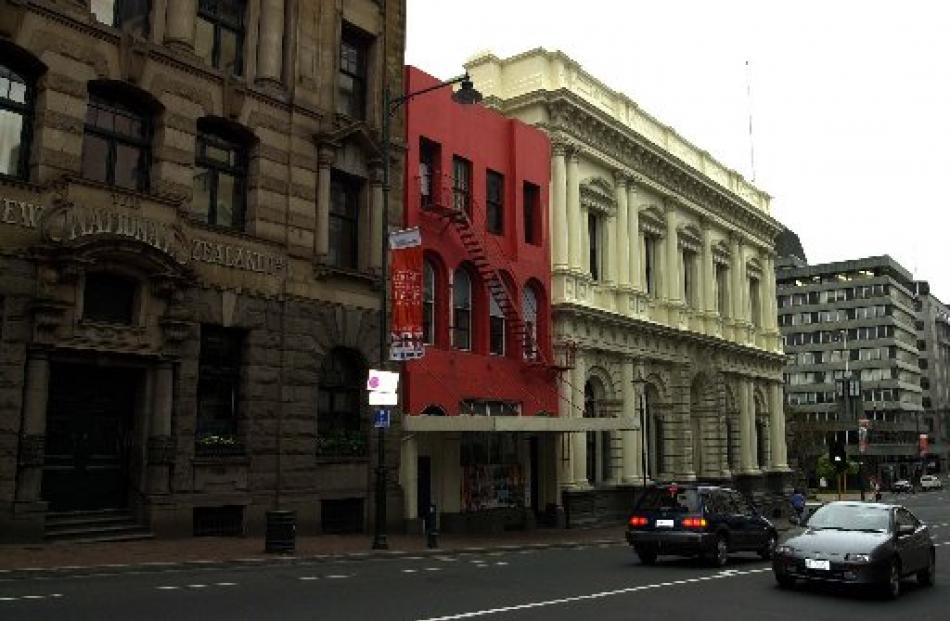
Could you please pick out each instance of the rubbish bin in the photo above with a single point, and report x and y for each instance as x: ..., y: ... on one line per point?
x: 281, y: 532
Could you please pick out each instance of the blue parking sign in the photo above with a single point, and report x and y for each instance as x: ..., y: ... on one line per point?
x: 381, y: 419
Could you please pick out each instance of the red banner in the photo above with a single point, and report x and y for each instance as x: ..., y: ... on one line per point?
x: 922, y: 444
x: 406, y: 277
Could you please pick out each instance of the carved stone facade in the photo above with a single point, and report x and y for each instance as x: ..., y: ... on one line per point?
x: 266, y: 281
x: 663, y: 274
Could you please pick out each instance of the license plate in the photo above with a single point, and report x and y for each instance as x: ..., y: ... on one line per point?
x: 811, y: 563
x: 664, y: 523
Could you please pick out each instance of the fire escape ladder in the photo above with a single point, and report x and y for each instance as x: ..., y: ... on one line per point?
x: 442, y: 203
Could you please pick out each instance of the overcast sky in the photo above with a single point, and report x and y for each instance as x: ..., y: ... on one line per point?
x: 850, y: 100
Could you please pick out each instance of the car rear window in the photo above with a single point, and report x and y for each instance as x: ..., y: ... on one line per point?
x: 674, y: 499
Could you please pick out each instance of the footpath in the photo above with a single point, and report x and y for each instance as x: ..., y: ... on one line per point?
x: 24, y: 560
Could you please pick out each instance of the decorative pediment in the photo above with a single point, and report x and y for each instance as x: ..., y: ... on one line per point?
x: 597, y: 195
x: 690, y: 238
x: 754, y: 268
x: 721, y: 253
x: 652, y: 221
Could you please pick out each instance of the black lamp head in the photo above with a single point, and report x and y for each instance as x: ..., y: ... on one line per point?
x: 466, y: 94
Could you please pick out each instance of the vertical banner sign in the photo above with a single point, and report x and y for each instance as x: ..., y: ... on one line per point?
x: 922, y: 444
x: 406, y: 277
x: 863, y: 425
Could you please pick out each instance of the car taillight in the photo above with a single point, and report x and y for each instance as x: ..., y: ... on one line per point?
x: 638, y: 520
x: 693, y: 522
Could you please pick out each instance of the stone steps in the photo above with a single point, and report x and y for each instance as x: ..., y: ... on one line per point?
x: 94, y: 526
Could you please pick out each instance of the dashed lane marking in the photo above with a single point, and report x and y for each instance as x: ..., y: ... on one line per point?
x: 433, y: 569
x: 31, y: 597
x: 591, y: 596
x: 501, y: 563
x: 339, y: 576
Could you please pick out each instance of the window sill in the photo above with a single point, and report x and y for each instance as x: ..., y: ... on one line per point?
x: 323, y: 270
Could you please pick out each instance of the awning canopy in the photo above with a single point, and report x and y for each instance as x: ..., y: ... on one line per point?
x: 517, y: 423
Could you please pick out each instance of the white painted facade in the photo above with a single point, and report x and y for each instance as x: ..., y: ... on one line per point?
x: 663, y: 271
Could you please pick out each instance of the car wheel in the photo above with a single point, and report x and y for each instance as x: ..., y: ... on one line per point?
x: 926, y: 576
x: 893, y: 586
x: 784, y: 581
x: 720, y: 552
x: 766, y: 552
x: 647, y: 556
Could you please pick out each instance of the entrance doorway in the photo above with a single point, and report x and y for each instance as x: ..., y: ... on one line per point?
x: 88, y: 436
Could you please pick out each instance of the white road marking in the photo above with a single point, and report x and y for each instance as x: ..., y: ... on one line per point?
x: 433, y: 569
x: 168, y: 588
x: 501, y: 563
x: 308, y: 578
x: 197, y: 586
x: 338, y: 576
x: 592, y: 596
x: 414, y: 558
x: 30, y: 597
x: 409, y: 571
x: 225, y: 583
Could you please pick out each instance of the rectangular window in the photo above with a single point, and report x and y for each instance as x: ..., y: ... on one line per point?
x: 462, y: 184
x: 496, y: 328
x: 532, y: 213
x: 494, y: 202
x: 593, y: 237
x: 351, y: 93
x: 429, y: 156
x: 689, y: 279
x: 344, y: 221
x: 755, y: 303
x: 219, y: 34
x: 722, y: 290
x: 219, y: 376
x: 649, y: 264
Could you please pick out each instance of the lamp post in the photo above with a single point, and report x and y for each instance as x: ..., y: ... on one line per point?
x: 639, y: 386
x: 465, y: 95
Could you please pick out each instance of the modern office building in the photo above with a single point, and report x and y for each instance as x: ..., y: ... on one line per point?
x: 933, y: 344
x: 851, y: 318
x: 663, y: 283
x: 190, y: 254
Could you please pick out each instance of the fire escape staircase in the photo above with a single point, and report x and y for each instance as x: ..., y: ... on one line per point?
x: 441, y: 202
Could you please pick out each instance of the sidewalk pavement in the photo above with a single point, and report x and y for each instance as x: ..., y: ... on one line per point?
x: 20, y: 560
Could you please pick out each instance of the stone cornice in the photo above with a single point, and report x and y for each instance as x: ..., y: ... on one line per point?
x: 598, y: 195
x: 576, y: 119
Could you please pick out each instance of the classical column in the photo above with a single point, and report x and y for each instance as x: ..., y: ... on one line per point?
x: 565, y: 471
x: 33, y: 431
x: 708, y: 272
x: 560, y: 231
x: 736, y: 272
x: 579, y: 439
x: 180, y: 24
x: 622, y: 244
x: 609, y: 272
x: 746, y: 426
x: 576, y: 228
x: 326, y: 155
x: 631, y: 458
x: 377, y: 231
x: 270, y: 41
x: 634, y: 240
x: 777, y: 427
x: 160, y: 447
x: 671, y: 266
x: 409, y: 476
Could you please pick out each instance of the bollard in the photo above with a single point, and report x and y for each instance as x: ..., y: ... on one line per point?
x: 432, y: 529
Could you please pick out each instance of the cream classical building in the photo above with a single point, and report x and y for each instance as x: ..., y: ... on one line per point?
x: 663, y: 282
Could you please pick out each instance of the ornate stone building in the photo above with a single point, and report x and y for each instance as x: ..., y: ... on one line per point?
x: 190, y: 253
x: 662, y: 273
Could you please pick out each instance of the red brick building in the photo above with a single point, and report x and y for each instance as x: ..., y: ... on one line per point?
x: 479, y: 441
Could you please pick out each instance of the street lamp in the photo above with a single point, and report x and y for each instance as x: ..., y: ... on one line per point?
x: 465, y: 95
x: 639, y: 385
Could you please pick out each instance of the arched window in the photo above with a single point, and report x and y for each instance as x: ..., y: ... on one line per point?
x: 115, y: 145
x: 496, y: 327
x: 529, y: 310
x: 220, y: 177
x: 654, y: 432
x: 219, y: 34
x: 16, y: 111
x: 461, y: 310
x: 339, y: 401
x: 599, y: 468
x: 428, y: 303
x: 109, y: 298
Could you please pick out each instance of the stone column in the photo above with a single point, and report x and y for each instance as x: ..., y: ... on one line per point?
x: 671, y: 266
x: 180, y: 24
x: 377, y: 230
x: 708, y: 271
x: 408, y: 476
x: 577, y: 228
x: 33, y: 431
x: 160, y: 447
x: 609, y: 250
x: 634, y: 239
x: 736, y: 272
x: 746, y: 427
x: 565, y: 472
x: 326, y: 155
x: 270, y: 42
x: 560, y: 231
x: 622, y: 245
x: 579, y: 439
x: 631, y: 458
x: 777, y: 427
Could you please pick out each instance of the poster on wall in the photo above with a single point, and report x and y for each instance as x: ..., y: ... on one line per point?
x: 406, y: 341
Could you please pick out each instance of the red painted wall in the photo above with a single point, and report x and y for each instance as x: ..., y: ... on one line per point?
x: 490, y: 141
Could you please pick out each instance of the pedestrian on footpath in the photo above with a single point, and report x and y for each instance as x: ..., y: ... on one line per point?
x: 798, y: 503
